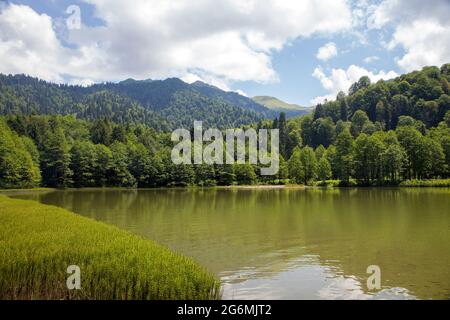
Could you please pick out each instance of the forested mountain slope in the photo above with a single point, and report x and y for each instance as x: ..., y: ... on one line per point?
x: 423, y: 95
x: 161, y: 104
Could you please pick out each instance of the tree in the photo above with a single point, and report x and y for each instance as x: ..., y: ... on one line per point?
x: 400, y: 106
x: 309, y: 164
x: 245, y: 174
x: 433, y: 159
x: 17, y: 169
x: 205, y: 175
x: 83, y: 164
x: 101, y: 132
x: 359, y: 119
x: 362, y: 83
x: 382, y: 113
x: 181, y: 175
x: 324, y: 169
x: 320, y: 152
x: 341, y: 126
x: 283, y: 171
x: 140, y: 163
x: 331, y: 156
x: 343, y: 104
x: 119, y: 134
x: 284, y: 135
x: 225, y: 175
x: 393, y: 160
x: 159, y: 174
x: 410, y: 139
x: 296, y: 171
x: 375, y: 149
x: 103, y: 166
x: 306, y: 129
x: 323, y: 132
x: 361, y: 158
x: 344, y: 156
x: 295, y: 137
x: 55, y: 157
x: 119, y: 173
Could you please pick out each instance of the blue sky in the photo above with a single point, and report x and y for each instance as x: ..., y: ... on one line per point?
x: 250, y: 46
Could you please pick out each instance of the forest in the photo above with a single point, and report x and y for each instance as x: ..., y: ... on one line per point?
x: 379, y: 134
x: 160, y: 104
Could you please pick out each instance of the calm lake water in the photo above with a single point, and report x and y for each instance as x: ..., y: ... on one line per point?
x: 291, y: 243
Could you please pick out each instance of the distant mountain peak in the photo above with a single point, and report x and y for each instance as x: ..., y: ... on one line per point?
x: 278, y: 105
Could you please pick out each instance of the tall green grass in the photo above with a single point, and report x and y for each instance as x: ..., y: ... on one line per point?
x: 38, y: 243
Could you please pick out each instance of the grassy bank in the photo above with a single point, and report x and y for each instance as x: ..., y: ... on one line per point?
x: 27, y: 189
x: 426, y: 183
x: 38, y: 243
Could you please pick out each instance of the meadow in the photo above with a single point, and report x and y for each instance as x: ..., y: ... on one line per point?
x: 38, y: 242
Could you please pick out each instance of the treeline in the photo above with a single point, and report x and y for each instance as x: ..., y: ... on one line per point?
x: 65, y: 152
x: 56, y: 151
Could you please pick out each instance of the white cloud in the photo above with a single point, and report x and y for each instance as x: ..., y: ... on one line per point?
x: 28, y: 44
x: 224, y: 40
x: 242, y: 93
x: 327, y: 52
x: 341, y: 80
x: 371, y: 59
x: 421, y: 28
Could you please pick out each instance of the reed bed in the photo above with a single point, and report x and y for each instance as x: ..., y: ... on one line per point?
x: 38, y: 242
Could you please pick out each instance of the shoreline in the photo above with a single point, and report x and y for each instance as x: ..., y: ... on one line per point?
x: 433, y: 183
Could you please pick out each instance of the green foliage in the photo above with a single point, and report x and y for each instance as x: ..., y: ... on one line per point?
x: 18, y: 160
x: 426, y: 183
x: 344, y: 156
x: 324, y: 169
x: 245, y: 174
x: 55, y: 157
x: 296, y: 170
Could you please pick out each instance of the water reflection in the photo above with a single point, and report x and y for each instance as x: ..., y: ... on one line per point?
x: 295, y: 244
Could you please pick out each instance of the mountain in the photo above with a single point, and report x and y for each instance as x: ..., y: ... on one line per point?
x: 277, y: 106
x: 161, y: 104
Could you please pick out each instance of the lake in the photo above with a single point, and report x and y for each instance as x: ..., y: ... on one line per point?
x: 290, y: 243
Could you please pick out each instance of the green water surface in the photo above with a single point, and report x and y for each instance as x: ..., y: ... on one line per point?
x: 290, y: 243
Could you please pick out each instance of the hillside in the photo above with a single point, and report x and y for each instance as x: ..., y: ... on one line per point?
x: 422, y: 95
x: 161, y: 104
x: 278, y: 106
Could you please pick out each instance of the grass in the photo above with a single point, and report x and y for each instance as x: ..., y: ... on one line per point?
x: 38, y: 243
x: 426, y: 183
x: 27, y: 189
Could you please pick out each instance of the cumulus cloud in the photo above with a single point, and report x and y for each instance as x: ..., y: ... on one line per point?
x: 341, y: 80
x: 223, y: 40
x: 28, y: 44
x: 327, y: 52
x: 421, y: 28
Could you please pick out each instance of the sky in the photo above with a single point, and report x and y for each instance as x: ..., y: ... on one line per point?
x: 299, y: 51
